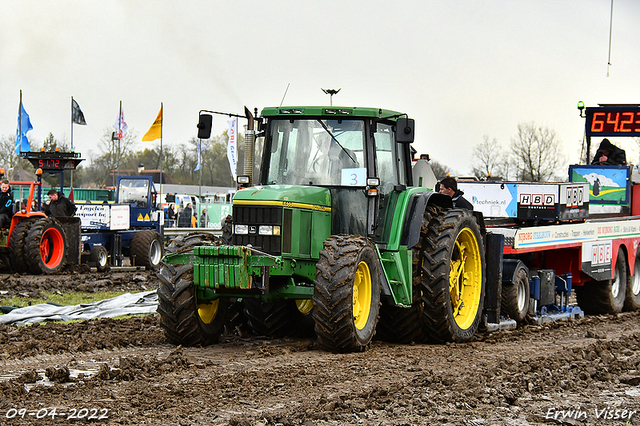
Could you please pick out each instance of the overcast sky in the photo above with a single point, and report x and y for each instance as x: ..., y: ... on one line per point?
x: 462, y: 69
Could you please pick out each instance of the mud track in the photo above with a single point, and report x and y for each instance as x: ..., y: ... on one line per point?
x: 127, y: 373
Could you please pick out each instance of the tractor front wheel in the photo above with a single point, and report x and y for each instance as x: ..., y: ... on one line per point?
x: 452, y: 276
x: 185, y: 319
x: 346, y: 297
x: 17, y: 246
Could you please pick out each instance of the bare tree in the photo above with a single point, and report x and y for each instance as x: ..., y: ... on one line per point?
x: 536, y: 151
x: 440, y: 170
x: 490, y: 159
x: 114, y: 152
x: 9, y: 160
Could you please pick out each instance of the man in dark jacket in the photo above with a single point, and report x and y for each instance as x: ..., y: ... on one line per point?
x: 184, y: 218
x: 609, y: 154
x: 6, y: 204
x: 58, y: 205
x: 449, y: 186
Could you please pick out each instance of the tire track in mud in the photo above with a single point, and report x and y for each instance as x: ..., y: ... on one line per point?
x: 512, y: 377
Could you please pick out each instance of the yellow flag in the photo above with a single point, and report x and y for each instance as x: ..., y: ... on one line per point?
x: 155, y: 131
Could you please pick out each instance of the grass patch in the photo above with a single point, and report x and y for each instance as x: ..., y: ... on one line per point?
x: 66, y: 299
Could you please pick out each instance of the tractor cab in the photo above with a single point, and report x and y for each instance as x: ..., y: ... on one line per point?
x: 354, y: 159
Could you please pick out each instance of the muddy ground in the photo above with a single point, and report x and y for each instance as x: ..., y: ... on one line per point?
x: 124, y: 372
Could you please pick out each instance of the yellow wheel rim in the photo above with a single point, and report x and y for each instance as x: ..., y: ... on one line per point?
x: 465, y: 279
x: 361, y: 295
x: 208, y: 311
x: 304, y: 305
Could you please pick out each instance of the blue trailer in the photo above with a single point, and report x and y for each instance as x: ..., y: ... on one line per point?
x: 131, y: 227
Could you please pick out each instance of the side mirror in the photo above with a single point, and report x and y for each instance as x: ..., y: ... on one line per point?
x: 405, y: 128
x: 205, y: 122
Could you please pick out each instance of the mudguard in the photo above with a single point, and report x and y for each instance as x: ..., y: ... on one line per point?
x: 415, y: 212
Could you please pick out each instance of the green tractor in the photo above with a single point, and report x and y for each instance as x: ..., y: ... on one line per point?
x: 333, y: 235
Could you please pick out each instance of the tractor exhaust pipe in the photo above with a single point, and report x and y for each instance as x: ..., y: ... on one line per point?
x: 249, y: 146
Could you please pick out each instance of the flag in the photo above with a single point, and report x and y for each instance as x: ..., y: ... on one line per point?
x: 76, y: 113
x: 199, y: 148
x: 155, y: 131
x: 231, y: 146
x: 24, y: 125
x: 120, y: 125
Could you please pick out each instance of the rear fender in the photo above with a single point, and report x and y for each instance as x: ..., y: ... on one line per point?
x: 415, y: 212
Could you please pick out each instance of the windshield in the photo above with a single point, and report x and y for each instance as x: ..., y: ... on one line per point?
x: 317, y: 152
x: 133, y: 191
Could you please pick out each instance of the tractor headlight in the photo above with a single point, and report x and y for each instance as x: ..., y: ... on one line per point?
x: 269, y: 230
x: 241, y: 229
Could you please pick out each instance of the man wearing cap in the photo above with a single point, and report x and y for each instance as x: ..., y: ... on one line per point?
x: 609, y: 154
x: 58, y: 205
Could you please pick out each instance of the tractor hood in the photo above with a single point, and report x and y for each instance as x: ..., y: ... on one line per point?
x: 311, y: 197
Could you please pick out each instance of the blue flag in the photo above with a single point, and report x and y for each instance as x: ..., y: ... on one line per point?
x: 199, y: 148
x: 22, y: 143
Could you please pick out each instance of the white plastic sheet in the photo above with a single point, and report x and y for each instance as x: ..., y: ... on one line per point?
x: 126, y: 304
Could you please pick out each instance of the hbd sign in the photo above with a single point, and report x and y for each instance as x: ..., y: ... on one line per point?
x: 537, y: 199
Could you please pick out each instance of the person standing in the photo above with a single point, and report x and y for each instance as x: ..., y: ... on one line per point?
x: 171, y: 216
x: 204, y: 219
x: 184, y: 218
x: 6, y: 204
x: 58, y: 205
x: 449, y: 186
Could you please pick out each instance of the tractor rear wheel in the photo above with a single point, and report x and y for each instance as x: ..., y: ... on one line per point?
x: 632, y: 297
x: 46, y: 246
x: 452, y: 276
x: 516, y: 295
x: 17, y: 246
x: 605, y: 297
x: 346, y: 297
x: 184, y: 319
x: 147, y: 247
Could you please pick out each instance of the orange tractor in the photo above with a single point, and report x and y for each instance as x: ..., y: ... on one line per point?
x: 36, y: 243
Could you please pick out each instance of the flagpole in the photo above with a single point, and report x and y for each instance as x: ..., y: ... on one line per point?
x: 120, y: 134
x: 161, y: 162
x: 71, y: 181
x: 19, y: 135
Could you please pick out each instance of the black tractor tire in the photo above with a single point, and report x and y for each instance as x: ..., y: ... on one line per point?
x: 99, y: 257
x: 452, y: 252
x: 46, y: 247
x: 400, y: 325
x: 346, y: 297
x: 406, y: 325
x: 227, y: 230
x: 17, y: 246
x: 186, y: 321
x: 632, y: 296
x: 273, y: 318
x: 605, y: 297
x: 148, y: 249
x: 180, y: 317
x: 516, y: 296
x: 185, y: 243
